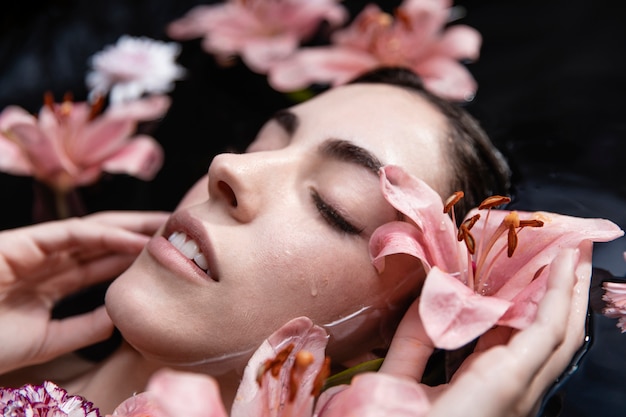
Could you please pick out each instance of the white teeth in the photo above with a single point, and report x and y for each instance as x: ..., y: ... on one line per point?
x: 189, y: 248
x: 201, y: 261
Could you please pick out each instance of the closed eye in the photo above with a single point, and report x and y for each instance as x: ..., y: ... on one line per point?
x: 333, y: 217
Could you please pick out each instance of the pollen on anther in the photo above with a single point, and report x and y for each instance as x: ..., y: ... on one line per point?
x: 452, y: 200
x: 493, y: 201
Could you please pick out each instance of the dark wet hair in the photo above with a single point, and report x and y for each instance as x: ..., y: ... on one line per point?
x: 478, y: 168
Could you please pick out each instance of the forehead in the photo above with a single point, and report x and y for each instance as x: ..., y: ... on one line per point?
x: 396, y: 124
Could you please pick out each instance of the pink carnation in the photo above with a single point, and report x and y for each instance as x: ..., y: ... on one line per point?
x: 46, y: 400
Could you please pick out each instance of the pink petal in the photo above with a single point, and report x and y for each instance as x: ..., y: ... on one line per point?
x: 325, y: 65
x: 373, y: 395
x: 186, y: 393
x: 260, y: 55
x: 435, y: 233
x: 447, y: 78
x: 12, y: 159
x: 272, y: 397
x: 103, y: 137
x: 142, y: 157
x: 150, y: 108
x: 140, y: 405
x: 538, y: 246
x: 398, y: 237
x: 460, y: 42
x: 452, y: 314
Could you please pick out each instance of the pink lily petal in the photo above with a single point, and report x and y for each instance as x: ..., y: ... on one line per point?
x: 453, y: 314
x: 142, y: 157
x: 140, y: 405
x: 460, y: 42
x: 149, y: 108
x: 374, y: 394
x: 186, y: 393
x: 259, y: 55
x: 12, y: 159
x: 447, y: 78
x: 101, y: 138
x: 319, y: 65
x: 435, y: 233
x: 271, y: 399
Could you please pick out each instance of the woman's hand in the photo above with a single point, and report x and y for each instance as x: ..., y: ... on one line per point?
x: 507, y: 379
x: 43, y: 263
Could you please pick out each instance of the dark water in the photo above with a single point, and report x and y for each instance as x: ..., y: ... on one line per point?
x: 552, y: 87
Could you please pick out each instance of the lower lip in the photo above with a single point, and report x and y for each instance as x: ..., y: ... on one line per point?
x: 168, y: 256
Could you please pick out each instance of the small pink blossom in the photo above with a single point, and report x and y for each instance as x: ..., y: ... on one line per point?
x: 260, y: 31
x: 415, y: 38
x: 132, y: 67
x: 497, y: 277
x: 615, y: 298
x: 69, y: 144
x: 46, y: 400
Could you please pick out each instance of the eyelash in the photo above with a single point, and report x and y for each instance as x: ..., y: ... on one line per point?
x: 333, y: 217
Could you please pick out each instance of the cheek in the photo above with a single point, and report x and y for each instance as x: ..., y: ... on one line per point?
x: 198, y: 193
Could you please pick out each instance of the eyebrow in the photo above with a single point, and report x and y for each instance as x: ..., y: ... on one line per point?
x: 340, y: 149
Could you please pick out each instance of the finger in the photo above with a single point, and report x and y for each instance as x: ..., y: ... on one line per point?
x: 410, y: 348
x: 70, y: 334
x: 28, y: 249
x: 505, y: 372
x: 145, y: 222
x: 82, y: 275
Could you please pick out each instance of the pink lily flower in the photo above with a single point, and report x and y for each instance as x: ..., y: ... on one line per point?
x: 615, y: 298
x: 260, y: 31
x: 282, y: 379
x: 70, y: 144
x: 286, y: 373
x: 414, y: 38
x: 497, y: 276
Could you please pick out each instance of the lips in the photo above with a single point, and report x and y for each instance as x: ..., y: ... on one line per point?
x: 185, y: 248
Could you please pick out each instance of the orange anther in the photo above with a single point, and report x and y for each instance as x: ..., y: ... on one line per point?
x: 452, y: 200
x: 493, y: 201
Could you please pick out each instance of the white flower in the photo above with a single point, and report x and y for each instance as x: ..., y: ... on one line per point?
x: 132, y: 67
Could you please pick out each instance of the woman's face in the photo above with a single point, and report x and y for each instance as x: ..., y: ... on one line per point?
x: 284, y: 234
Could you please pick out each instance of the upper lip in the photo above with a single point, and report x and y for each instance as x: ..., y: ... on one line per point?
x: 183, y: 221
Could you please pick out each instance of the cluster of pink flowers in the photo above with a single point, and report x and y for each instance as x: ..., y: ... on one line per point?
x: 266, y: 34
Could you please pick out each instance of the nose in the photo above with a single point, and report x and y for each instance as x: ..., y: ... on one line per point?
x: 234, y: 182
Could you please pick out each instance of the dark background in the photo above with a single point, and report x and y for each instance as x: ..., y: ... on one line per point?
x: 552, y: 84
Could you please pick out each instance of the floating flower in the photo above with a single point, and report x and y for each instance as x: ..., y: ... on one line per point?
x: 132, y: 67
x: 492, y: 270
x: 615, y: 298
x: 415, y: 38
x: 46, y: 400
x: 286, y: 373
x: 260, y: 31
x: 71, y: 144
